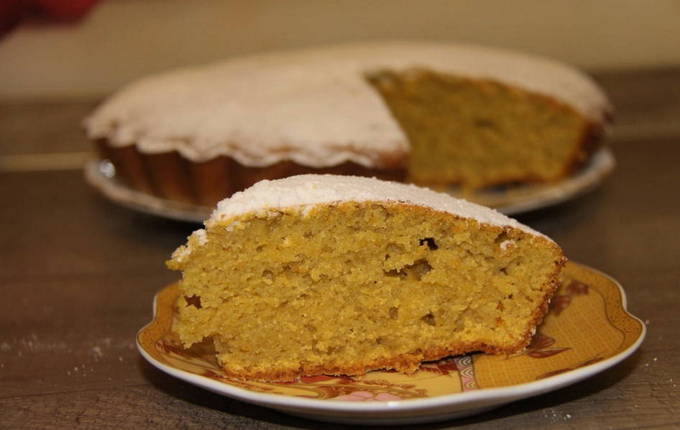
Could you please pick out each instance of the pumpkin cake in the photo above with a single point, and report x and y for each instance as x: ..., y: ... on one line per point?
x: 428, y: 113
x: 325, y: 274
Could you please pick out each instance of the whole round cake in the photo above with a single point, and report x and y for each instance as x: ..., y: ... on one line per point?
x: 325, y: 274
x: 432, y: 114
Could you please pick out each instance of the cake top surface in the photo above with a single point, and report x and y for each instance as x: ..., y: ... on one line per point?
x: 306, y: 191
x: 311, y: 106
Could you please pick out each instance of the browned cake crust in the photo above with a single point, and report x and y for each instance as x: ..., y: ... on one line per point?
x: 592, y: 139
x: 171, y: 176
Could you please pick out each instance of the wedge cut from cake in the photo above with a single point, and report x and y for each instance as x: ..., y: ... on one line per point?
x: 324, y: 274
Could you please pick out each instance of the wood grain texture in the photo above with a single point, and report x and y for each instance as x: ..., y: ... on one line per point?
x: 78, y: 275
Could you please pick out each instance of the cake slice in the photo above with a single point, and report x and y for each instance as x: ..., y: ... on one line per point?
x: 324, y: 274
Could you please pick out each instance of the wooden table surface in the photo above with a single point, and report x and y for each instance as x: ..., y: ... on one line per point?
x: 79, y: 274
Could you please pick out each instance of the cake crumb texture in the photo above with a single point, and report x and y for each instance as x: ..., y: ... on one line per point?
x: 479, y: 133
x: 344, y: 287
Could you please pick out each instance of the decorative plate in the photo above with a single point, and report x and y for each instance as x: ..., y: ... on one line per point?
x: 510, y: 200
x: 586, y: 331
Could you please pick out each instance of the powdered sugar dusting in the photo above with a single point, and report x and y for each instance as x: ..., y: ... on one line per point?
x: 305, y: 191
x: 201, y: 237
x: 197, y: 238
x: 181, y: 253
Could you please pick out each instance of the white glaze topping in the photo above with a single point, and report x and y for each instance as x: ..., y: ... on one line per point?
x: 312, y: 106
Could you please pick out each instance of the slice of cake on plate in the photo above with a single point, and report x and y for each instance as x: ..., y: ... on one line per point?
x: 324, y: 274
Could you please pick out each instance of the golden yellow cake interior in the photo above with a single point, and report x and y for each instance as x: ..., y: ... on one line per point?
x: 348, y: 287
x: 479, y: 132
